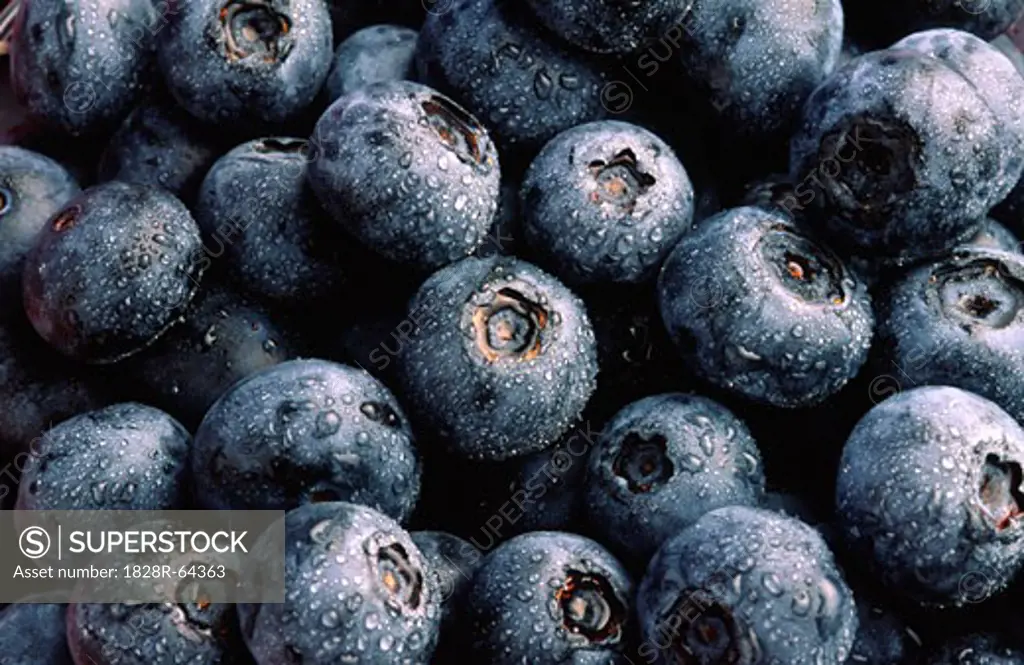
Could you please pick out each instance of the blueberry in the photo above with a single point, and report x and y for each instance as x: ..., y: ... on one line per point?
x: 901, y: 154
x: 550, y: 597
x: 79, y: 67
x: 958, y: 322
x: 406, y: 171
x: 451, y: 562
x: 760, y: 309
x: 39, y: 390
x: 112, y: 271
x: 977, y: 649
x: 991, y: 73
x: 878, y: 22
x: 224, y: 338
x: 756, y: 62
x: 502, y: 360
x: 32, y: 188
x: 246, y: 66
x: 605, y: 202
x: 122, y: 457
x: 256, y: 209
x: 660, y: 464
x: 160, y: 145
x: 155, y: 634
x: 357, y: 591
x: 744, y: 585
x: 371, y: 55
x: 523, y: 84
x: 882, y: 637
x: 928, y: 494
x: 306, y: 431
x: 33, y: 634
x: 608, y: 26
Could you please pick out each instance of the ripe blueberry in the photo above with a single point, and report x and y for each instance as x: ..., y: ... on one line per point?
x: 122, y: 457
x: 502, y: 361
x: 929, y: 495
x: 605, y: 202
x: 112, y: 271
x: 306, y: 431
x: 357, y: 590
x: 759, y: 308
x: 406, y: 171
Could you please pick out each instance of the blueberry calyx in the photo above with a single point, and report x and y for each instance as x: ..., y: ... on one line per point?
x: 399, y: 578
x: 619, y: 180
x: 459, y: 132
x: 978, y: 293
x: 643, y: 463
x: 803, y: 267
x: 877, y: 165
x: 509, y: 326
x: 590, y: 608
x: 66, y: 218
x: 1000, y: 494
x: 705, y: 633
x: 254, y: 28
x: 6, y: 200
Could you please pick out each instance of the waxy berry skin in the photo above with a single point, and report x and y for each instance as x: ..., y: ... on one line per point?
x: 886, y: 162
x: 609, y: 26
x: 605, y: 202
x: 126, y: 456
x: 32, y: 188
x: 80, y: 67
x: 503, y: 359
x: 406, y: 171
x: 160, y: 145
x: 260, y: 217
x: 548, y: 596
x: 372, y: 55
x: 34, y: 634
x: 958, y: 322
x: 199, y: 633
x: 761, y: 309
x: 745, y: 585
x: 660, y: 464
x: 523, y: 83
x: 754, y: 63
x: 246, y: 67
x: 928, y: 492
x: 355, y: 584
x: 112, y: 271
x: 305, y: 431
